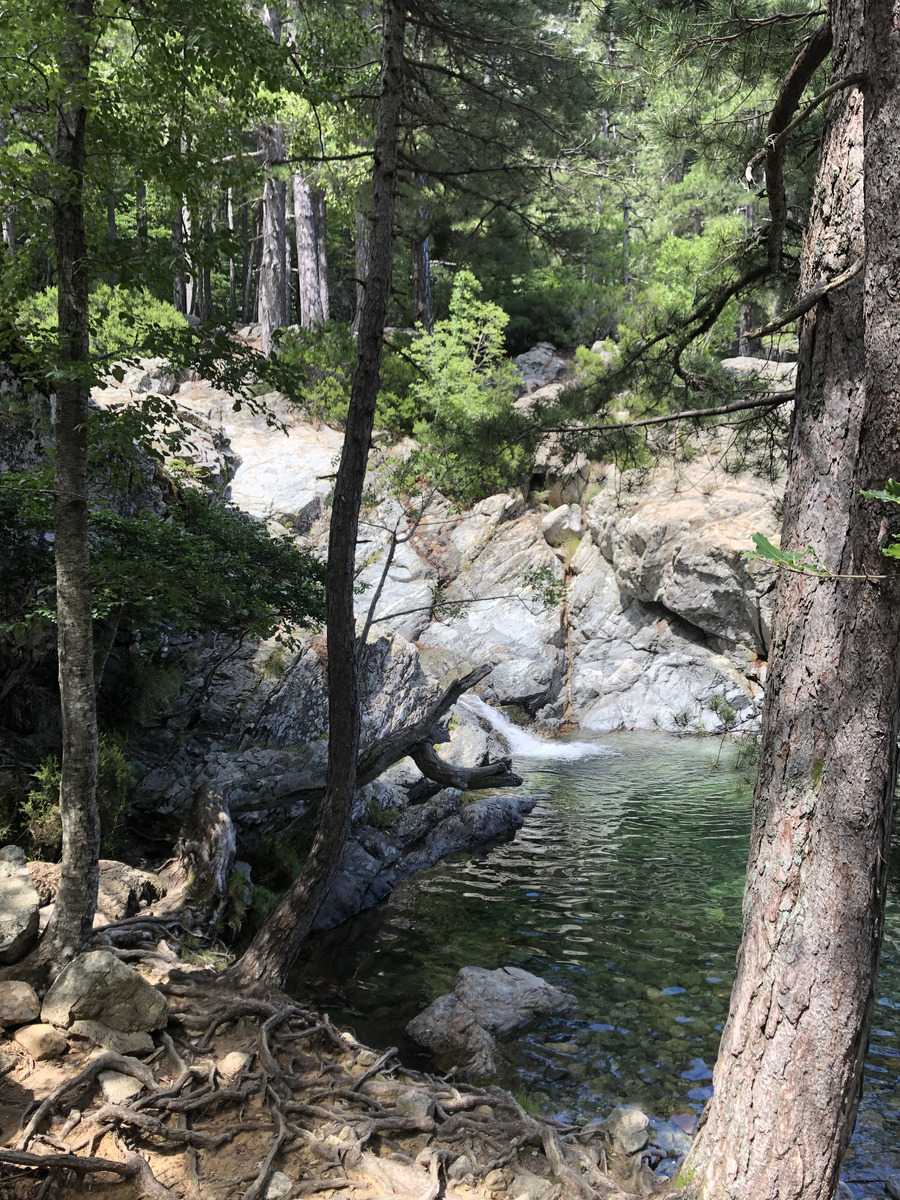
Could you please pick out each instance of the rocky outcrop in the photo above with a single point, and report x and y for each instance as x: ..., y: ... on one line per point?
x: 663, y: 615
x: 123, y: 890
x: 483, y: 1006
x: 413, y: 838
x: 19, y: 918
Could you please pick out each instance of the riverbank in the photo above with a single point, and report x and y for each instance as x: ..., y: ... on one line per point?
x: 249, y: 1097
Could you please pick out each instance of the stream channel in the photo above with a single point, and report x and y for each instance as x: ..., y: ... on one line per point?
x: 624, y: 886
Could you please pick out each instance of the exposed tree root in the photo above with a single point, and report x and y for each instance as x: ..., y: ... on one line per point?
x: 308, y: 1102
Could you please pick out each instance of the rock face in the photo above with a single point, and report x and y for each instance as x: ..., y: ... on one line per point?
x: 123, y: 889
x: 19, y: 919
x: 484, y: 1005
x: 376, y: 860
x: 99, y: 987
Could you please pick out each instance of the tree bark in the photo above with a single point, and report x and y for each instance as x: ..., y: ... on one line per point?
x: 272, y: 309
x: 789, y: 1075
x: 322, y: 252
x: 362, y: 266
x: 275, y: 947
x: 73, y: 913
x: 311, y: 314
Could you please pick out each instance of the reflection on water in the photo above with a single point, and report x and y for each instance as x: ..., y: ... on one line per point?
x: 624, y: 887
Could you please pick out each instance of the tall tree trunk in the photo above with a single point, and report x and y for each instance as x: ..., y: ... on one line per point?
x: 423, y: 308
x: 363, y: 240
x: 77, y: 898
x: 272, y: 314
x: 275, y: 947
x: 322, y: 252
x: 232, y: 267
x: 9, y: 234
x: 179, y: 285
x: 140, y: 221
x: 307, y: 254
x: 789, y: 1075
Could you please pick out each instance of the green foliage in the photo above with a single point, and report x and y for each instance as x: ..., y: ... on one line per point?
x: 726, y: 712
x: 474, y: 442
x: 38, y: 819
x: 807, y: 562
x: 323, y: 362
x: 120, y: 318
x: 202, y: 564
x: 891, y: 494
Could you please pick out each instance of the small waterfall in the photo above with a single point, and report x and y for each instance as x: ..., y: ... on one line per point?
x: 522, y: 743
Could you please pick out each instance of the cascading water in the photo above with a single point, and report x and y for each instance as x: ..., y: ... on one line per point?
x: 522, y: 743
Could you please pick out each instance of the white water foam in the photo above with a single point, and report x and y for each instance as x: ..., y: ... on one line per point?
x: 523, y: 744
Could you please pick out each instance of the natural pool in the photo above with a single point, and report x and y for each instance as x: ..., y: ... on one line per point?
x: 624, y: 887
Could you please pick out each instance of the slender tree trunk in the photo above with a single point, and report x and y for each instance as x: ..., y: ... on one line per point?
x: 140, y: 221
x: 190, y: 280
x: 272, y: 314
x: 322, y: 252
x: 232, y: 267
x: 179, y: 286
x: 789, y: 1075
x: 75, y: 904
x: 275, y: 947
x: 362, y: 266
x: 307, y: 254
x: 9, y: 234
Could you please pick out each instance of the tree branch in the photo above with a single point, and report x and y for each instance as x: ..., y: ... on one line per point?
x: 805, y: 303
x: 770, y: 401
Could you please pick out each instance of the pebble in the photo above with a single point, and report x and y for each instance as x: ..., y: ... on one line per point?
x: 495, y: 1181
x: 231, y: 1064
x: 460, y: 1167
x: 119, y: 1088
x: 41, y: 1041
x: 279, y: 1185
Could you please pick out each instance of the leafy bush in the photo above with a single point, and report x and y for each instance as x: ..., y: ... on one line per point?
x: 39, y: 818
x: 321, y: 362
x: 474, y: 441
x: 119, y: 318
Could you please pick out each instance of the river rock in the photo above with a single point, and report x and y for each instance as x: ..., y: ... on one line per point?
x: 505, y: 999
x: 451, y: 1031
x: 97, y: 986
x: 19, y: 1003
x: 41, y: 1041
x: 483, y: 1005
x: 122, y: 890
x: 119, y: 1088
x: 531, y: 1187
x: 628, y: 1128
x: 19, y: 903
x: 111, y: 1039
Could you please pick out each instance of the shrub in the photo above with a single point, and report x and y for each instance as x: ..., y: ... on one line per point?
x: 39, y: 816
x: 120, y: 318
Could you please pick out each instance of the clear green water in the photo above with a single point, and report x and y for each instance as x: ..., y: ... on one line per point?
x: 623, y: 887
